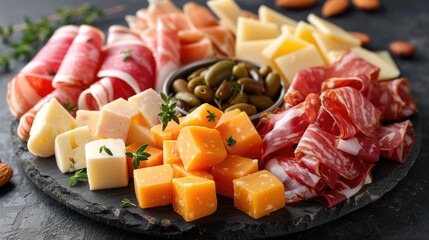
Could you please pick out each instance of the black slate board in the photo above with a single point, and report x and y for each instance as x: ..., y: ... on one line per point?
x: 226, y: 223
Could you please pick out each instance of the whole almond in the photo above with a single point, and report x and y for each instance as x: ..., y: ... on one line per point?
x: 367, y: 5
x: 295, y: 4
x: 402, y: 49
x: 334, y: 7
x: 6, y: 173
x: 364, y: 38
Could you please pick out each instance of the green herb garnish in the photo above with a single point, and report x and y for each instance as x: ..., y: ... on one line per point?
x: 126, y: 55
x: 69, y: 106
x: 106, y: 149
x: 78, y: 176
x: 218, y: 102
x: 140, y: 155
x: 127, y: 203
x: 211, y: 116
x: 230, y: 142
x: 168, y: 112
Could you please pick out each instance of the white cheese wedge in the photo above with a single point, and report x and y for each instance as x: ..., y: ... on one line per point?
x: 387, y: 71
x: 334, y: 56
x: 148, y: 103
x: 267, y: 14
x: 252, y: 51
x: 251, y: 29
x: 140, y: 134
x: 286, y: 29
x: 104, y: 170
x: 88, y: 118
x: 326, y: 44
x: 385, y: 55
x: 333, y: 30
x: 70, y: 149
x: 290, y: 64
x: 305, y: 31
x: 227, y: 11
x: 51, y: 120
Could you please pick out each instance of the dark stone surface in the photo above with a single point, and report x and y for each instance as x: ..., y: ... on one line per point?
x: 402, y: 213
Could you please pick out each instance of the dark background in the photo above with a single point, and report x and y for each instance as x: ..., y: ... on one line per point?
x: 403, y: 213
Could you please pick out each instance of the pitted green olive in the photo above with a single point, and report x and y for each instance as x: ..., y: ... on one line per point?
x: 196, y: 73
x: 239, y: 98
x: 218, y: 72
x: 240, y: 71
x: 245, y: 107
x: 180, y: 85
x: 251, y: 86
x: 204, y: 92
x: 261, y: 102
x: 224, y: 91
x: 188, y: 98
x: 272, y: 84
x: 264, y: 71
x: 195, y: 82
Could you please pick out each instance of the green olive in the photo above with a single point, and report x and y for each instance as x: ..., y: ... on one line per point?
x: 245, y: 107
x: 224, y: 106
x: 188, y: 98
x: 196, y: 73
x: 264, y: 71
x: 238, y: 98
x: 251, y: 86
x: 180, y: 85
x: 261, y: 102
x: 272, y: 84
x: 218, y: 72
x: 195, y: 82
x: 204, y: 92
x: 240, y: 71
x: 224, y: 91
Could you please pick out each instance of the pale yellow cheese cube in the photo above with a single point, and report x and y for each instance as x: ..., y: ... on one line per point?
x: 51, y: 120
x: 327, y: 44
x: 251, y: 29
x: 140, y: 135
x: 148, y: 103
x: 305, y: 31
x: 294, y: 62
x: 227, y: 11
x: 104, y: 170
x: 267, y: 14
x: 70, y: 149
x: 387, y: 70
x: 252, y: 51
x: 286, y: 29
x: 88, y: 118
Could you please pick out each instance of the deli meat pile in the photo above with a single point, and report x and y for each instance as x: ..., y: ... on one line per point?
x: 330, y: 134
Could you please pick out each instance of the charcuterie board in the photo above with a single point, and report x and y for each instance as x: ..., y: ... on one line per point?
x: 104, y: 205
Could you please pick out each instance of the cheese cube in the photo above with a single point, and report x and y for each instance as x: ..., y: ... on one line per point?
x: 252, y: 51
x: 252, y: 29
x: 180, y: 171
x: 258, y: 194
x: 70, y: 149
x: 267, y: 14
x: 153, y: 186
x: 104, y: 170
x: 327, y: 44
x: 290, y: 64
x: 194, y: 197
x: 233, y: 167
x: 241, y: 129
x: 200, y: 116
x: 200, y: 147
x: 227, y: 11
x: 169, y: 133
x: 286, y: 29
x: 305, y: 32
x: 155, y: 158
x: 387, y: 71
x: 170, y: 152
x: 51, y: 120
x: 88, y: 118
x: 140, y: 134
x: 148, y: 103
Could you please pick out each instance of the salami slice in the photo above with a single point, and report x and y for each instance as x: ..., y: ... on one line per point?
x: 361, y: 146
x: 66, y: 94
x: 396, y: 140
x: 299, y: 172
x: 81, y: 63
x: 34, y: 81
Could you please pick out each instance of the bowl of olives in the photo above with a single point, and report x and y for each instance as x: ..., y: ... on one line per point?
x: 227, y: 84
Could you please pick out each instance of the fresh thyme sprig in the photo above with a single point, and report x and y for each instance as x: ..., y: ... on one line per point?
x: 126, y: 54
x: 230, y: 142
x: 69, y: 106
x: 78, y: 176
x: 168, y: 112
x: 127, y: 203
x: 211, y: 117
x: 106, y: 149
x: 140, y: 155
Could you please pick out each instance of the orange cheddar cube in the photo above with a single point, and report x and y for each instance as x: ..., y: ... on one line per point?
x: 205, y: 115
x: 200, y: 147
x: 259, y: 194
x: 241, y: 129
x: 170, y: 153
x: 180, y: 171
x: 233, y: 167
x: 169, y: 133
x: 155, y: 158
x: 194, y: 197
x: 153, y: 186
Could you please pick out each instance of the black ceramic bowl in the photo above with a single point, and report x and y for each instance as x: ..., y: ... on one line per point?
x: 186, y: 70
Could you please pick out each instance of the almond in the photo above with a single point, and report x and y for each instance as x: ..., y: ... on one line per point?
x: 364, y: 38
x: 295, y: 4
x: 367, y: 5
x: 402, y: 49
x: 334, y: 7
x: 6, y: 173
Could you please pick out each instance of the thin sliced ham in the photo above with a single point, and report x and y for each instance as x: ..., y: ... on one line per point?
x: 396, y: 140
x: 34, y: 81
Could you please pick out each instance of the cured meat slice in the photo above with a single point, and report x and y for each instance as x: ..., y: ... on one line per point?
x: 81, y: 63
x: 328, y: 175
x: 193, y: 52
x: 136, y: 24
x: 299, y: 172
x: 64, y: 95
x: 199, y: 16
x: 118, y: 34
x: 156, y: 9
x: 351, y: 111
x: 34, y: 81
x: 396, y: 140
x: 361, y: 146
x: 222, y: 38
x: 321, y: 145
x: 149, y: 38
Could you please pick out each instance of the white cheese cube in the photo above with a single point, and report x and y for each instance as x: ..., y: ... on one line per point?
x: 327, y: 44
x: 104, y: 170
x: 148, y: 103
x: 227, y: 11
x: 88, y: 118
x: 251, y: 29
x: 252, y: 51
x: 267, y: 14
x: 70, y: 149
x: 140, y: 135
x: 286, y: 29
x: 51, y: 120
x: 387, y: 70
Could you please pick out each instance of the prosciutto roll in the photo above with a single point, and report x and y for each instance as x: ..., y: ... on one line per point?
x: 34, y: 81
